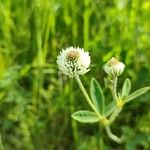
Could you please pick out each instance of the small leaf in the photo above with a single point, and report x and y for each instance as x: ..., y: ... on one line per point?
x: 126, y: 88
x: 85, y: 116
x: 109, y: 109
x: 137, y: 93
x: 97, y: 95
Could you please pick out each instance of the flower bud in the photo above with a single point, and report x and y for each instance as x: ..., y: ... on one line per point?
x: 114, y: 67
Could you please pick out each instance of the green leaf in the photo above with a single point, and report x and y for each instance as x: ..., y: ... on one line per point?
x: 85, y: 116
x: 97, y: 95
x: 126, y: 88
x: 137, y: 93
x: 109, y: 109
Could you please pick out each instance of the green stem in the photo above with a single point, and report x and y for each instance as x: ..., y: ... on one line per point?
x: 114, y: 137
x: 73, y: 122
x: 114, y: 89
x: 114, y: 115
x: 87, y: 96
x: 101, y: 143
x: 115, y: 97
x: 116, y: 112
x: 1, y: 144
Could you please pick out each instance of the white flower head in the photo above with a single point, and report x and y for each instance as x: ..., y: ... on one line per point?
x: 73, y: 61
x: 114, y: 67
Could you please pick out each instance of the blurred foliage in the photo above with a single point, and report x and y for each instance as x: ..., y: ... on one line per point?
x: 36, y: 100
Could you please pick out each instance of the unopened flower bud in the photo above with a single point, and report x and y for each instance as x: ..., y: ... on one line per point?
x: 114, y: 67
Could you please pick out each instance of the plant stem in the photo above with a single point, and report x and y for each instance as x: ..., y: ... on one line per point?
x: 114, y: 137
x: 115, y: 97
x: 87, y: 96
x: 116, y: 112
x: 114, y: 115
x: 113, y: 89
x: 101, y: 143
x: 73, y: 122
x: 1, y: 144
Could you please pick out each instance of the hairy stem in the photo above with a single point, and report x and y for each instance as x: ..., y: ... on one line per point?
x: 114, y: 137
x: 115, y: 97
x: 113, y: 89
x: 114, y: 115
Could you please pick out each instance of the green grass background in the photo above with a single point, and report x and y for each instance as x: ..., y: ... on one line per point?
x: 36, y: 100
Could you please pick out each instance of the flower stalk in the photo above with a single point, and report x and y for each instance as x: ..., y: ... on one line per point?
x: 113, y: 89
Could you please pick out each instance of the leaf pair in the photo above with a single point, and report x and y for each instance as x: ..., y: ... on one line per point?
x: 99, y: 100
x: 126, y: 90
x: 97, y: 97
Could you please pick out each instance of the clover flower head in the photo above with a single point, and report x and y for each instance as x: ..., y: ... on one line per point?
x: 73, y: 61
x: 114, y: 67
